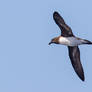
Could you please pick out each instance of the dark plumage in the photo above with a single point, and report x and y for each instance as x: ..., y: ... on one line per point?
x: 74, y: 54
x: 67, y: 38
x: 66, y: 30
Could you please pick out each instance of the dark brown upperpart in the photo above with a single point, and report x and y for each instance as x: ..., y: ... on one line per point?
x: 65, y: 29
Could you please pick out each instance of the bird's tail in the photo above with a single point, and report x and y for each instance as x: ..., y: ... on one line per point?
x: 87, y: 42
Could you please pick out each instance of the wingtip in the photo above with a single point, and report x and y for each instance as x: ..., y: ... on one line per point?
x: 58, y: 18
x: 81, y: 76
x: 55, y: 14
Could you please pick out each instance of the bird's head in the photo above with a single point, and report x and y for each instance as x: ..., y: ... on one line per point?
x: 54, y: 40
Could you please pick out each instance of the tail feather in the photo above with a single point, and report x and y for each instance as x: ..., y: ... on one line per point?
x: 87, y: 42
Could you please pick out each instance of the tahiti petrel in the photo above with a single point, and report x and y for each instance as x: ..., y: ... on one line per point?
x: 69, y: 39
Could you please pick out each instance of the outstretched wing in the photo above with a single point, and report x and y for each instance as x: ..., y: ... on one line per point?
x: 66, y: 30
x: 74, y: 54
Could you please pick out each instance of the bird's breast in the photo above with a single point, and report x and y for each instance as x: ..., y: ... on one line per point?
x: 69, y: 41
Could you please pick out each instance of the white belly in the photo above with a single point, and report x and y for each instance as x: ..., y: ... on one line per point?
x: 70, y: 41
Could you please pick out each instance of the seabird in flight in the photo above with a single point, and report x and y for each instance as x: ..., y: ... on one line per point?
x: 71, y: 41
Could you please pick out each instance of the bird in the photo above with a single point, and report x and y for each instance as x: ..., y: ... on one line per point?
x: 68, y: 39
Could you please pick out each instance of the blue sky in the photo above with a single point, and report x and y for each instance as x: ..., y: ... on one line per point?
x: 27, y: 62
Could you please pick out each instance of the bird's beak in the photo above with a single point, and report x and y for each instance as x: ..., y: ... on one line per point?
x: 50, y: 43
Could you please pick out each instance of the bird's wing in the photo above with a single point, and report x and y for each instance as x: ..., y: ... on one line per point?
x: 74, y: 54
x: 66, y: 30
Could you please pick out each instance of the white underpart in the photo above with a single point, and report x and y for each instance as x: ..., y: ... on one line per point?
x: 70, y: 41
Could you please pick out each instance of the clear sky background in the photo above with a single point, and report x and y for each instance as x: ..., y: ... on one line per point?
x: 27, y: 62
